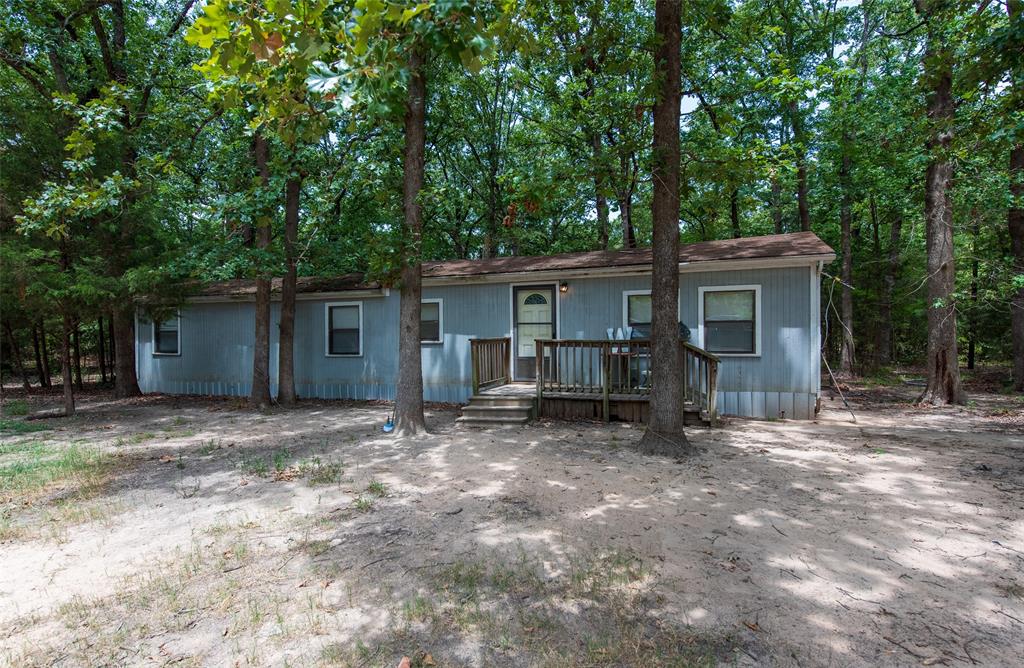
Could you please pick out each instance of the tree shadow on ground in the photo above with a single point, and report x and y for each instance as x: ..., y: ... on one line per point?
x: 893, y: 541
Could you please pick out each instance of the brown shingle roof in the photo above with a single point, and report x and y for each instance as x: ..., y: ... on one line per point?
x: 244, y: 287
x: 796, y: 244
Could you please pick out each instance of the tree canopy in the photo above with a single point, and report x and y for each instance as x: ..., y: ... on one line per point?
x: 127, y: 168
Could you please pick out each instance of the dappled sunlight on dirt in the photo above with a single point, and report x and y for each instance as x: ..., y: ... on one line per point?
x: 308, y: 536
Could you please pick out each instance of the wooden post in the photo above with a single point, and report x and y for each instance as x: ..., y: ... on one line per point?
x: 539, y: 346
x: 713, y: 392
x: 506, y: 364
x: 474, y: 359
x: 607, y: 373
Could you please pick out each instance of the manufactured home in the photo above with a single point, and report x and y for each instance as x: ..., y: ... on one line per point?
x: 567, y: 331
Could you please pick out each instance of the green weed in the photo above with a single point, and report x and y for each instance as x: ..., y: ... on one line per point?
x: 16, y: 407
x: 255, y: 466
x: 20, y: 426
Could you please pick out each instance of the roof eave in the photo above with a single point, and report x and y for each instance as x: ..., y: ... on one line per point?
x: 775, y: 262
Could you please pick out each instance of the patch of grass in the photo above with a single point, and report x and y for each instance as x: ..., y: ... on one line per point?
x: 134, y: 439
x: 38, y: 466
x: 315, y: 548
x: 255, y: 466
x: 20, y: 426
x: 208, y: 447
x: 319, y: 473
x: 417, y: 609
x: 281, y: 458
x: 463, y: 578
x: 882, y: 376
x: 362, y: 504
x: 377, y: 488
x: 16, y: 407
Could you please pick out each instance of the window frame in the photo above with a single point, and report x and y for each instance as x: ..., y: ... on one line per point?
x: 701, y: 334
x: 440, y: 321
x: 626, y: 294
x: 327, y: 328
x: 153, y: 332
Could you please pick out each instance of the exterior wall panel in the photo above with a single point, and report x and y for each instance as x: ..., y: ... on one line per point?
x: 216, y: 341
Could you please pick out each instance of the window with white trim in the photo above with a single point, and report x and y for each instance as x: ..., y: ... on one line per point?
x: 167, y: 336
x: 637, y: 312
x: 345, y: 329
x: 730, y: 319
x: 431, y: 329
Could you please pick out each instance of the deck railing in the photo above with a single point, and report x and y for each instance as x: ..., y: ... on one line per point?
x: 619, y: 370
x: 491, y: 359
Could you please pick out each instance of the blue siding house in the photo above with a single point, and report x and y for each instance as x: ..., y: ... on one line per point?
x: 752, y: 303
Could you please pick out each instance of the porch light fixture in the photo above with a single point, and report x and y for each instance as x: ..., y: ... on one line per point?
x: 563, y: 287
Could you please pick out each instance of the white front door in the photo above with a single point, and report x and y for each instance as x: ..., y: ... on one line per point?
x: 535, y: 315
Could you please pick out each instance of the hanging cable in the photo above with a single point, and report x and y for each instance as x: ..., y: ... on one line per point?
x: 830, y: 305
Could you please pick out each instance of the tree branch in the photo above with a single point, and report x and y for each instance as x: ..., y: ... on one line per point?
x: 24, y: 68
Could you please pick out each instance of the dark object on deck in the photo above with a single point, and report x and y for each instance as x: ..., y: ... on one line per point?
x: 644, y: 332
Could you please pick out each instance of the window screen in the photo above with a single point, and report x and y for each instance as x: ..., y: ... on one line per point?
x: 638, y: 314
x: 430, y: 322
x: 165, y: 335
x: 729, y: 325
x: 343, y: 330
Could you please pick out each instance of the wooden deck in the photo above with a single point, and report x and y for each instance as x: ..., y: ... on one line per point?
x: 511, y: 390
x: 592, y: 379
x: 588, y: 405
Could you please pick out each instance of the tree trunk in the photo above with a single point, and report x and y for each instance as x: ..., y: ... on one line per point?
x: 777, y: 204
x: 409, y: 419
x: 77, y: 358
x: 885, y: 334
x: 286, y: 354
x: 600, y: 199
x: 846, y: 357
x: 39, y: 358
x: 16, y: 353
x: 1015, y: 222
x: 801, y: 167
x: 259, y: 398
x: 65, y: 366
x: 972, y: 316
x: 46, y: 354
x: 126, y: 384
x: 734, y: 213
x: 942, y: 360
x: 626, y: 214
x: 112, y: 357
x: 625, y: 198
x: 101, y: 352
x: 664, y: 434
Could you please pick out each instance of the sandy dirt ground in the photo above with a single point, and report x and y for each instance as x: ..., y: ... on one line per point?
x: 213, y: 536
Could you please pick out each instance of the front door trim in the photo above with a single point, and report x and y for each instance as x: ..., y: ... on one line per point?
x: 557, y: 306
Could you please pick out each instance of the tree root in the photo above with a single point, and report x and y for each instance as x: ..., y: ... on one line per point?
x: 669, y: 445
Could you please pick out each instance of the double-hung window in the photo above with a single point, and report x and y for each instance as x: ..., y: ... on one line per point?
x: 431, y: 329
x: 167, y: 336
x: 731, y: 319
x: 637, y: 312
x: 345, y: 329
